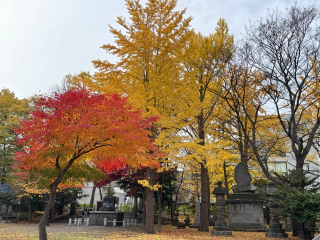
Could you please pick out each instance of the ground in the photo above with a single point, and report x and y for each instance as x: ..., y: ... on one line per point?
x: 62, y: 231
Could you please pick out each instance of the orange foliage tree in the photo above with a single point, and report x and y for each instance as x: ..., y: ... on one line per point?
x: 68, y: 133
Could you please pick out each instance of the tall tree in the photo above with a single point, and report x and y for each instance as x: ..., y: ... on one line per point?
x: 255, y: 133
x: 196, y: 104
x: 12, y: 110
x: 148, y: 51
x: 68, y: 133
x: 285, y: 49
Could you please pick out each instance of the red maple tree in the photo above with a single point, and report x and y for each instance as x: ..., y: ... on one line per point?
x: 69, y: 133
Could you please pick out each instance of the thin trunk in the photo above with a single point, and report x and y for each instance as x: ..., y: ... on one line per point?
x: 135, y: 208
x: 149, y: 228
x: 29, y: 210
x: 226, y: 185
x: 159, y: 209
x: 52, y: 198
x: 92, y: 196
x: 93, y: 192
x: 101, y: 198
x: 45, y: 216
x: 159, y: 192
x: 143, y: 205
x: 171, y: 198
x: 205, y: 200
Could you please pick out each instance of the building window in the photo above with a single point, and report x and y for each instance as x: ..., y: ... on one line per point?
x: 279, y: 167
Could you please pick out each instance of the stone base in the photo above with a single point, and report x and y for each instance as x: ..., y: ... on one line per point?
x: 276, y: 235
x: 96, y: 218
x: 221, y: 233
x: 194, y: 226
x: 248, y: 228
x: 245, y: 212
x: 181, y: 225
x: 239, y: 188
x: 275, y: 227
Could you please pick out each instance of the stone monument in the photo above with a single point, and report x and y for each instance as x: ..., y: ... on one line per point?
x: 197, y: 220
x: 245, y: 212
x: 107, y: 210
x: 108, y: 204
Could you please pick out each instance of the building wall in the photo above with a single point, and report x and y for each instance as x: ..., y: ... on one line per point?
x: 87, y: 190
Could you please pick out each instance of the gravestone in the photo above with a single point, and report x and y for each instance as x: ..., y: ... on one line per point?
x: 10, y: 211
x: 109, y: 204
x: 245, y: 211
x: 197, y: 220
x: 4, y: 210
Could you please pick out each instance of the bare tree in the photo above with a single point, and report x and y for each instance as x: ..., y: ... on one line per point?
x: 285, y: 49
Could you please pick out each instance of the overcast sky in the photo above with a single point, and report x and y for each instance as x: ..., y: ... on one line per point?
x: 41, y: 41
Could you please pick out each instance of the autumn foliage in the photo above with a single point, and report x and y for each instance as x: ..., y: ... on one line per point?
x: 68, y: 126
x: 67, y: 134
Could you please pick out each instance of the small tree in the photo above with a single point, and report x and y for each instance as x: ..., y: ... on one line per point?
x: 299, y: 199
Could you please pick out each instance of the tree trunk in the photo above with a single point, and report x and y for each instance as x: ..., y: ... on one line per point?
x: 296, y: 228
x: 92, y: 196
x: 226, y: 185
x: 205, y: 200
x: 73, y: 209
x: 45, y: 216
x: 149, y: 203
x: 159, y: 192
x: 60, y: 209
x: 29, y: 210
x: 143, y: 205
x: 135, y: 208
x: 159, y: 210
x: 101, y: 198
x: 171, y: 198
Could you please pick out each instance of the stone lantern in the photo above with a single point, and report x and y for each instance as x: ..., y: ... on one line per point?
x: 275, y: 227
x: 221, y: 228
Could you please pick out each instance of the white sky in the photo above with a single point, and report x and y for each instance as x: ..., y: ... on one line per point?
x: 41, y: 41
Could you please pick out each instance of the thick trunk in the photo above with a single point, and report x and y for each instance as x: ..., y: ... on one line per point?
x: 73, y: 208
x: 299, y: 163
x: 205, y: 200
x: 60, y: 209
x: 46, y: 213
x: 149, y: 203
x: 92, y: 196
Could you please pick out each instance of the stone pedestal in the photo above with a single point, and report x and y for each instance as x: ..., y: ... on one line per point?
x: 245, y: 212
x: 97, y: 218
